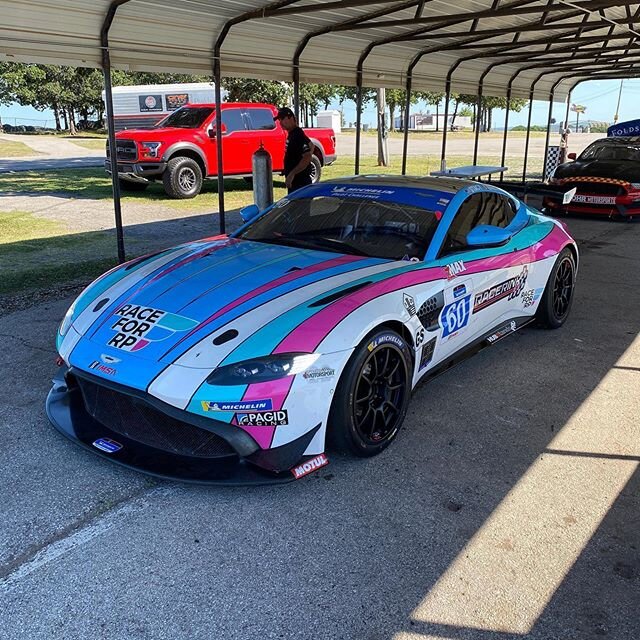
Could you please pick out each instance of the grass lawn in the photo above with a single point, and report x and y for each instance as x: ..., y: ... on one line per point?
x: 454, y: 135
x: 11, y: 149
x: 37, y: 253
x: 89, y: 143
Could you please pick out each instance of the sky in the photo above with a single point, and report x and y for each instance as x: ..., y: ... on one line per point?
x: 599, y: 97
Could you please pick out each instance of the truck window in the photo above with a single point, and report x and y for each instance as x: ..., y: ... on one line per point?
x: 260, y: 119
x: 233, y: 120
x: 186, y: 118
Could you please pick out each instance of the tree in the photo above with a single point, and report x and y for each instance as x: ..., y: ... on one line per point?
x: 397, y: 98
x: 250, y: 90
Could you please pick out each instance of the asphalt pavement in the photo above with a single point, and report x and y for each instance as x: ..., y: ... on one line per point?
x: 507, y: 508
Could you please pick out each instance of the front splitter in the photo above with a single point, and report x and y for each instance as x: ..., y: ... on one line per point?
x: 66, y: 412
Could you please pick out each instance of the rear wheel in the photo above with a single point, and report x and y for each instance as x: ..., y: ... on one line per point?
x: 182, y: 178
x: 130, y: 185
x: 558, y: 294
x: 372, y: 396
x: 316, y: 169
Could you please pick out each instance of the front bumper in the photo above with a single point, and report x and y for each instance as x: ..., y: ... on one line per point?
x: 137, y: 171
x: 237, y: 459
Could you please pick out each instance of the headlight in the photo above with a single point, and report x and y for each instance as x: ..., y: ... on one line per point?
x: 636, y: 185
x: 67, y: 320
x: 150, y: 148
x: 262, y: 369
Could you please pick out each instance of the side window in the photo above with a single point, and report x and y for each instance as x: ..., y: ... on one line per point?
x: 233, y: 120
x: 497, y: 210
x: 466, y: 218
x: 260, y: 119
x: 479, y: 208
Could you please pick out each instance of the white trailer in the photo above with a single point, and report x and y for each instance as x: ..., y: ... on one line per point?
x: 142, y: 106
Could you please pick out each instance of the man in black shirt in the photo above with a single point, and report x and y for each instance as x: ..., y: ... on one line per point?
x: 298, y: 151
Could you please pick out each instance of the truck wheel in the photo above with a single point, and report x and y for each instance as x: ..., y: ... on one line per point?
x: 316, y: 169
x: 182, y: 178
x: 129, y: 185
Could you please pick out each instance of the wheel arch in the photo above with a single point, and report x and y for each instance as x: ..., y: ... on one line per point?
x: 318, y: 150
x: 187, y: 150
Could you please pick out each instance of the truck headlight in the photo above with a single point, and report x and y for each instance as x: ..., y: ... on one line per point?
x: 150, y: 149
x: 262, y: 369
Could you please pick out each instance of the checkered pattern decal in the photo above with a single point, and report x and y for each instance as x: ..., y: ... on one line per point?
x: 553, y: 160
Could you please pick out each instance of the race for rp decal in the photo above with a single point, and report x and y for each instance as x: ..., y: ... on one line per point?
x: 137, y: 326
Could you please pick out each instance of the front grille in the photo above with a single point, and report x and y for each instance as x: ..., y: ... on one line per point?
x: 139, y: 421
x: 126, y: 150
x: 596, y: 188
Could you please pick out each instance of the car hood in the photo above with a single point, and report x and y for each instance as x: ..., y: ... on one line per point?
x: 618, y: 170
x: 156, y: 315
x: 153, y: 135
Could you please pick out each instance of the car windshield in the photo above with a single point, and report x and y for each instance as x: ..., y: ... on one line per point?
x: 616, y: 151
x: 186, y: 118
x: 359, y: 226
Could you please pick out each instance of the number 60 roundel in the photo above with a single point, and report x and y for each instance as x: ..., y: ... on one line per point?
x: 455, y: 316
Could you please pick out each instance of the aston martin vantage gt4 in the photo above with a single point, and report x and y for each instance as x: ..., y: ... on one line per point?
x: 241, y: 358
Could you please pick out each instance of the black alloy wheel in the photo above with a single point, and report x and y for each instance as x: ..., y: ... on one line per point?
x: 558, y: 294
x: 372, y: 397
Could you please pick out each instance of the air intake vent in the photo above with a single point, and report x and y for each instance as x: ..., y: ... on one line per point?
x: 430, y: 310
x: 339, y: 294
x: 225, y: 337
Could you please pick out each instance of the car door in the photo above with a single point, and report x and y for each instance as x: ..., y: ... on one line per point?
x: 479, y: 281
x: 235, y: 147
x: 263, y: 130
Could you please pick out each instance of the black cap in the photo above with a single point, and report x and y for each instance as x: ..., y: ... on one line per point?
x: 284, y: 112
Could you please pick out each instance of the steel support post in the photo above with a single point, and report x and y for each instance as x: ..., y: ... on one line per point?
x: 358, y: 120
x: 113, y: 152
x: 478, y: 123
x: 217, y: 79
x: 405, y: 141
x: 445, y: 126
x: 503, y: 156
x: 526, y: 143
x: 546, y: 139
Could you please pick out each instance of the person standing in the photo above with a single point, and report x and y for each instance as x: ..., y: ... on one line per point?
x: 298, y: 151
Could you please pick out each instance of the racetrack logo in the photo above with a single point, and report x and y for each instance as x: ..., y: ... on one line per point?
x: 137, y: 326
x: 510, y: 289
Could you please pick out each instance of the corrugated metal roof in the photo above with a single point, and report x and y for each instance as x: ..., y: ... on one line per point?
x: 501, y: 39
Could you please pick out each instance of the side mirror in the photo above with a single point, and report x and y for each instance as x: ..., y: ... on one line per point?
x: 249, y: 212
x: 212, y: 131
x: 571, y: 156
x: 486, y: 235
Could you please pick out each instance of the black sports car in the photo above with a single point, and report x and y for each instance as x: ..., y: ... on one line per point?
x: 606, y: 176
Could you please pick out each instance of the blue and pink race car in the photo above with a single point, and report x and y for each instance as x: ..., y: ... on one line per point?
x: 241, y: 359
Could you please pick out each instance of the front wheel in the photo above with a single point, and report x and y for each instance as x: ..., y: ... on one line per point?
x: 558, y: 294
x: 372, y: 396
x: 182, y: 178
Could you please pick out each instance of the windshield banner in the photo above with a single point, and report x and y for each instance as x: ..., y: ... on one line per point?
x: 422, y: 198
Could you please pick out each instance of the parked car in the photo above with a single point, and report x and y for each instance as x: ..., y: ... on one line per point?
x: 606, y: 176
x: 239, y: 358
x: 181, y: 149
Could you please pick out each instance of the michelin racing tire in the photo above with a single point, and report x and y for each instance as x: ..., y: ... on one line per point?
x: 182, y: 178
x: 372, y: 396
x: 558, y: 294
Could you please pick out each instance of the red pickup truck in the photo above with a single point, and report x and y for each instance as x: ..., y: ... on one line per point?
x: 181, y: 149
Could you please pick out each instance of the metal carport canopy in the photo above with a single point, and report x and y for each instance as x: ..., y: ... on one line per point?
x: 504, y: 36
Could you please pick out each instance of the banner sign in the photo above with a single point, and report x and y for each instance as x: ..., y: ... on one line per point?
x: 176, y: 100
x: 150, y: 102
x: 629, y: 128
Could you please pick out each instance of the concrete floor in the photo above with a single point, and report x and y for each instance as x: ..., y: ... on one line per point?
x: 508, y: 507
